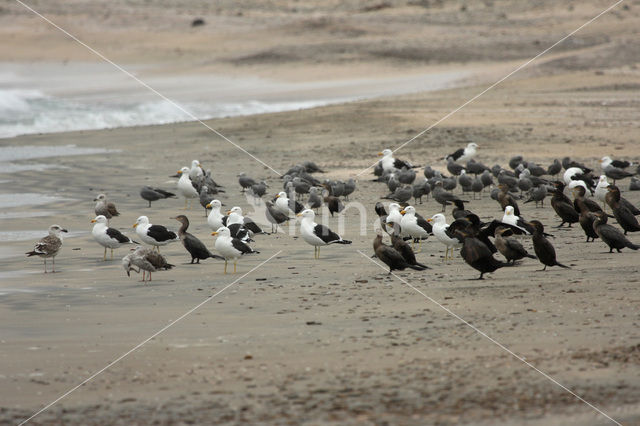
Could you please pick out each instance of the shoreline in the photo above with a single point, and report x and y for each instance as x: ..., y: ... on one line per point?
x: 335, y: 340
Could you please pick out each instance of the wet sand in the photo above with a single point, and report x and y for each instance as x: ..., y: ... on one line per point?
x: 334, y: 340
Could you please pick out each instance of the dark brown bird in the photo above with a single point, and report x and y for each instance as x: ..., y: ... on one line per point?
x: 192, y: 244
x: 611, y: 236
x: 510, y: 248
x: 406, y: 251
x: 459, y: 211
x: 624, y: 217
x: 579, y: 192
x: 390, y: 256
x: 563, y: 206
x: 586, y: 218
x: 543, y: 248
x: 477, y: 254
x: 333, y: 203
x: 506, y: 199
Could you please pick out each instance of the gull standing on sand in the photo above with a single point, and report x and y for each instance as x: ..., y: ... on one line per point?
x: 146, y: 260
x: 440, y: 230
x: 414, y: 226
x: 230, y: 248
x: 105, y: 208
x: 49, y: 246
x: 463, y: 154
x: 390, y: 164
x: 235, y: 216
x: 317, y: 235
x: 216, y: 219
x: 152, y: 194
x: 154, y: 235
x: 196, y: 170
x: 108, y: 237
x: 186, y: 187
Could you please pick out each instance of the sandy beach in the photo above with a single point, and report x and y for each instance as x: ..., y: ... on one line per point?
x: 332, y: 341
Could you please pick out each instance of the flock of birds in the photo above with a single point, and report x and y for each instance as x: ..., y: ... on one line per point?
x: 303, y: 193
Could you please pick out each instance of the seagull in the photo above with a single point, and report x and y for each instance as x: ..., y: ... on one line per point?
x: 235, y: 216
x: 510, y: 218
x: 601, y: 190
x: 414, y: 226
x: 152, y: 194
x: 317, y: 235
x: 195, y: 171
x: 464, y: 154
x: 275, y: 217
x: 245, y: 181
x: 108, y: 237
x: 315, y: 198
x: 49, y: 246
x: 154, y: 235
x: 230, y: 248
x: 390, y: 164
x: 186, y: 187
x: 606, y: 161
x: 216, y: 219
x: 283, y: 204
x: 145, y: 259
x: 194, y: 246
x: 104, y: 207
x: 394, y: 216
x: 440, y: 230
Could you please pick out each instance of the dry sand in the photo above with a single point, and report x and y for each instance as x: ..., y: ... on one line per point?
x: 334, y: 340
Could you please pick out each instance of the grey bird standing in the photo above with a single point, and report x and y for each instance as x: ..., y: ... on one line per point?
x: 454, y: 168
x: 153, y: 194
x: 315, y: 198
x: 401, y: 194
x: 349, y: 188
x: 245, y: 181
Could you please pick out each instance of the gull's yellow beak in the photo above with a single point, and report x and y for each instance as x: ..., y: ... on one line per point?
x: 380, y: 154
x: 214, y: 233
x: 179, y: 172
x: 93, y: 221
x: 403, y: 211
x: 135, y: 224
x: 228, y: 211
x: 429, y: 220
x: 299, y: 214
x: 208, y: 206
x: 278, y: 196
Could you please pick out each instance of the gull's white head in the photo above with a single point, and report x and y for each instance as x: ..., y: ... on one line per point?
x: 100, y: 219
x: 307, y: 214
x: 142, y: 220
x: 438, y: 219
x: 223, y: 231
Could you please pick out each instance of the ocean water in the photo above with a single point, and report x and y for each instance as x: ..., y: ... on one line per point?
x: 54, y: 97
x: 29, y: 111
